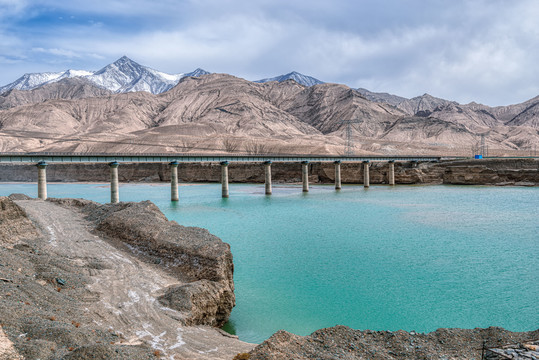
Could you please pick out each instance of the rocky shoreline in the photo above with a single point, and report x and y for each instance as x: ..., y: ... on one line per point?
x: 519, y: 172
x: 341, y: 342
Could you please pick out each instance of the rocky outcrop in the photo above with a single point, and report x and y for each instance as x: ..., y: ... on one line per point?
x: 198, y: 300
x: 199, y: 259
x: 341, y: 342
x: 493, y: 172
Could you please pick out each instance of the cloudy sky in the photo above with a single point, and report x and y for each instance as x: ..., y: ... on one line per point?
x: 465, y: 50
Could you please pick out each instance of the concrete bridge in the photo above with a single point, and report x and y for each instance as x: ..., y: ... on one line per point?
x: 42, y: 160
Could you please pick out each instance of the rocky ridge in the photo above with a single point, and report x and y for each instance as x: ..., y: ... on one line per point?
x: 69, y: 88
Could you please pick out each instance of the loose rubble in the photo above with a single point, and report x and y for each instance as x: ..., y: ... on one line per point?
x: 341, y: 342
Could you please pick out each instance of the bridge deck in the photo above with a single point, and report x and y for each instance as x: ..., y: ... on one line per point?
x: 165, y: 158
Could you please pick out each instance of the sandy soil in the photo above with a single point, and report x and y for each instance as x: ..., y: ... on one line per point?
x: 127, y: 289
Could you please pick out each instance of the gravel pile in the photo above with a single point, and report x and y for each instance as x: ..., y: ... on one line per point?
x: 524, y: 351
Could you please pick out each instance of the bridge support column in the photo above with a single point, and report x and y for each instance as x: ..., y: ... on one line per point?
x: 224, y: 178
x: 305, y: 175
x: 42, y: 180
x: 391, y: 173
x: 267, y: 173
x: 337, y: 175
x: 174, y: 196
x: 114, y: 189
x: 366, y: 177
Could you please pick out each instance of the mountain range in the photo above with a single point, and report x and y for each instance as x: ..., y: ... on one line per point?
x: 202, y: 112
x: 123, y: 75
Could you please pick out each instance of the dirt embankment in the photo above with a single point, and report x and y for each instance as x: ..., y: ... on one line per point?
x: 462, y: 172
x: 341, y: 342
x: 81, y: 281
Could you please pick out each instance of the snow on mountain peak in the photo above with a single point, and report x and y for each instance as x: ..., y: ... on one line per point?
x: 296, y: 76
x: 123, y: 75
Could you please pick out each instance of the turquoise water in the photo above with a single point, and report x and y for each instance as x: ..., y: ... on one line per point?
x: 409, y: 257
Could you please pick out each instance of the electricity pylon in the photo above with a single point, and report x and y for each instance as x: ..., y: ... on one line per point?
x: 349, y: 147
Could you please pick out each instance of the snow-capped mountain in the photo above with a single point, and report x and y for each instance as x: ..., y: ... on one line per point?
x: 31, y: 81
x: 123, y: 75
x: 297, y: 77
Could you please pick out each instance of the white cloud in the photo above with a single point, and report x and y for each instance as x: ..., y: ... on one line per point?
x: 478, y: 50
x: 59, y: 52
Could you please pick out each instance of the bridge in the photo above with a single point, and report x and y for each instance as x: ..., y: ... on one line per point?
x: 167, y: 158
x: 43, y: 159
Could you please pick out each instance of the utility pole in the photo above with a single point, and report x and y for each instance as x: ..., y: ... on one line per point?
x: 349, y: 147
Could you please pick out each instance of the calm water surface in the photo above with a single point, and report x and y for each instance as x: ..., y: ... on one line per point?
x: 409, y: 257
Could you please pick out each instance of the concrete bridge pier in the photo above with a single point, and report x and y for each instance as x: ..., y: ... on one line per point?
x: 224, y: 178
x: 366, y: 177
x: 305, y: 175
x: 42, y: 180
x: 391, y: 173
x: 267, y: 172
x: 114, y: 189
x: 174, y: 195
x: 337, y: 175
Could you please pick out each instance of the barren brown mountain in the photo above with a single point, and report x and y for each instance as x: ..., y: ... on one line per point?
x: 222, y: 113
x: 69, y: 88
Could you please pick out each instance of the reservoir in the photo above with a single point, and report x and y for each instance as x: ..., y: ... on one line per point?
x: 387, y: 258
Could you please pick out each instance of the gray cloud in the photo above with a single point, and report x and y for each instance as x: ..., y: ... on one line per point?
x: 480, y: 50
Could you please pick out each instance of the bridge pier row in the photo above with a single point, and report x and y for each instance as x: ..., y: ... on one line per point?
x: 174, y: 195
x: 224, y: 178
x: 337, y: 175
x: 42, y: 180
x: 366, y: 177
x: 114, y: 188
x: 391, y: 173
x: 267, y: 173
x: 305, y: 175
